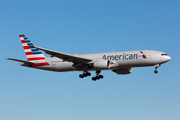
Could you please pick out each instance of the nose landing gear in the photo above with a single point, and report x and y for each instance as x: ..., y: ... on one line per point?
x: 156, y: 67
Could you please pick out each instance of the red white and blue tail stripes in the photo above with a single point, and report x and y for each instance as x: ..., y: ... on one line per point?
x: 32, y: 54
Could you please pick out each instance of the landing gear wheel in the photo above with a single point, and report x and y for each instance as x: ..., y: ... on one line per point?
x: 81, y: 76
x: 88, y: 74
x: 93, y: 78
x: 97, y: 77
x: 155, y: 71
x: 85, y: 75
x: 101, y: 76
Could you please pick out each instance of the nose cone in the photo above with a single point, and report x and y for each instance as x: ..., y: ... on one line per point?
x: 165, y: 58
x: 169, y: 58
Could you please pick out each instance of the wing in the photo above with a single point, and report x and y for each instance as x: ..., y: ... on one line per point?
x: 64, y: 56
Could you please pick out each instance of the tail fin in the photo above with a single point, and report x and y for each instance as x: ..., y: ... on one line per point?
x: 32, y: 54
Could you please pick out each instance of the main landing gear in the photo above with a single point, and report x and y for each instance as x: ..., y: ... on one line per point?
x: 85, y: 74
x: 156, y: 67
x: 97, y: 77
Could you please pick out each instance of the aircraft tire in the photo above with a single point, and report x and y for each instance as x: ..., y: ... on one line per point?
x: 81, y: 76
x: 93, y: 78
x: 155, y: 71
x: 89, y: 74
x: 101, y: 76
x: 98, y: 77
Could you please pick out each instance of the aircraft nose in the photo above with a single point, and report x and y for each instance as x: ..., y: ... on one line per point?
x: 168, y: 58
x: 165, y: 58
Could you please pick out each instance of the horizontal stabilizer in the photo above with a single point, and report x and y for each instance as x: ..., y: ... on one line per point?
x: 20, y: 60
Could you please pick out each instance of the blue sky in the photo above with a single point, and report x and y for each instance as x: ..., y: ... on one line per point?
x: 78, y: 27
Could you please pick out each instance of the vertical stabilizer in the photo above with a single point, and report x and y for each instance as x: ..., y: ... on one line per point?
x: 32, y: 54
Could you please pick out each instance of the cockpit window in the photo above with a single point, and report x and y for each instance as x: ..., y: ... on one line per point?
x: 164, y: 54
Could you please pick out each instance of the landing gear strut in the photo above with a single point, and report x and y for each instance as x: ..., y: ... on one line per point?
x: 85, y: 74
x: 156, y: 67
x: 97, y: 77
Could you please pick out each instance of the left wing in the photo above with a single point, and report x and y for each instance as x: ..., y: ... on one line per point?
x: 64, y: 56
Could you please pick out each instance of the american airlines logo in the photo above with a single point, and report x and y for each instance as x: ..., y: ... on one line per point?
x: 120, y: 57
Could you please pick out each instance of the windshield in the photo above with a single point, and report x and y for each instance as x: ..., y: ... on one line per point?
x: 164, y: 54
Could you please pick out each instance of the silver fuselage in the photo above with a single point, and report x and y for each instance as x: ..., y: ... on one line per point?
x: 124, y: 59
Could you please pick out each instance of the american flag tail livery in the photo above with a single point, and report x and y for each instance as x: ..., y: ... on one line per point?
x: 33, y: 54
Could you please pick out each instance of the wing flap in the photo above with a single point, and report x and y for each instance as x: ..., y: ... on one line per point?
x: 65, y: 56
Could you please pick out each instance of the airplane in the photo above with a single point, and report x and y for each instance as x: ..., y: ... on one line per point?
x: 119, y: 62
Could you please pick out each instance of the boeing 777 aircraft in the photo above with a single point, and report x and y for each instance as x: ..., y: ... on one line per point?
x: 118, y: 62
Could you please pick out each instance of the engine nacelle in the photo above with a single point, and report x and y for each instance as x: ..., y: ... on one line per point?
x: 101, y: 64
x: 123, y: 71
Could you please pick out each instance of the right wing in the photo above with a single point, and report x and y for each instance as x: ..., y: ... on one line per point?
x: 64, y: 56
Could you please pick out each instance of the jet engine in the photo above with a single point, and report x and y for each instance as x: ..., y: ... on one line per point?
x: 123, y: 71
x: 101, y: 64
